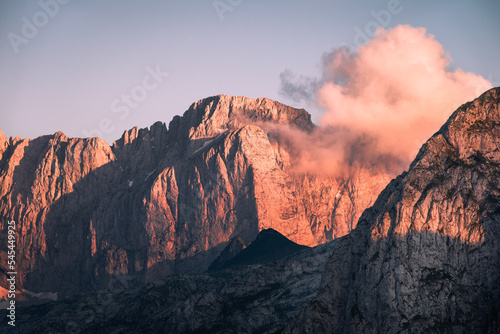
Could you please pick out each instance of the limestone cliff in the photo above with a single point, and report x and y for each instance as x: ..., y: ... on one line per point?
x: 160, y: 200
x: 425, y: 258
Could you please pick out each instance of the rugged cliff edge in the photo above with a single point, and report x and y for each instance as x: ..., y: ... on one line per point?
x: 426, y: 257
x: 160, y: 201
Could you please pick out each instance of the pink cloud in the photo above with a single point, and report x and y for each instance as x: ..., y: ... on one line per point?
x: 395, y: 91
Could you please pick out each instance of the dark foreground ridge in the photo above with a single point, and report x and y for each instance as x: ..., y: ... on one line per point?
x: 260, y: 298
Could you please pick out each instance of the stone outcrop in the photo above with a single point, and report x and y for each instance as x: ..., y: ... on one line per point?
x: 425, y: 258
x: 160, y: 201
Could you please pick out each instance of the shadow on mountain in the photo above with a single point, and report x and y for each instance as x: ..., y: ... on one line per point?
x: 432, y: 296
x: 235, y: 246
x: 243, y: 299
x: 264, y: 298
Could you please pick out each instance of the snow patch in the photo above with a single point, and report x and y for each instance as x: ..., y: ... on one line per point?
x: 149, y: 174
x: 42, y: 295
x: 208, y: 142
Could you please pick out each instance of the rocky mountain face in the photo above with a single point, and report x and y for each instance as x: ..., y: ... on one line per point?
x: 160, y: 201
x: 425, y: 258
x: 258, y: 298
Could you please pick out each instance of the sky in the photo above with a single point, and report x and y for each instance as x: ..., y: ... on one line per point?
x: 98, y: 68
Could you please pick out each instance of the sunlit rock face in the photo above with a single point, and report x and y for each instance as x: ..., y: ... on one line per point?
x: 425, y: 258
x: 160, y: 201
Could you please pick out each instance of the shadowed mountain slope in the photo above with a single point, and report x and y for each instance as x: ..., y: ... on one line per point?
x: 269, y: 246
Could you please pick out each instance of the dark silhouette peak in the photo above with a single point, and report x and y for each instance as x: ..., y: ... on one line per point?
x: 269, y: 246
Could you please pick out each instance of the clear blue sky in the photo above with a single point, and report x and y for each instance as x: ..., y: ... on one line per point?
x: 71, y: 72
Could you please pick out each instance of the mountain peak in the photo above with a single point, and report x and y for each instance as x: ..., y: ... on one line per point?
x: 210, y: 116
x: 60, y: 136
x: 268, y: 246
x: 472, y: 132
